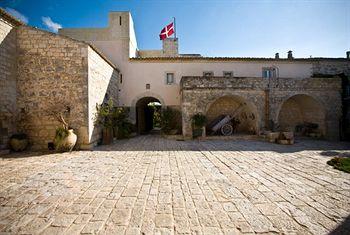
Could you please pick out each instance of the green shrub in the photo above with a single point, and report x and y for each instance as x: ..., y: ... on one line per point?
x: 109, y: 116
x: 61, y: 134
x: 199, y: 120
x: 169, y: 120
x: 104, y: 114
x: 340, y: 163
x: 121, y: 122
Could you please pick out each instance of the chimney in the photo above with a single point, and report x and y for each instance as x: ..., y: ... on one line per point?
x: 348, y: 55
x: 277, y: 55
x: 170, y: 47
x: 290, y: 55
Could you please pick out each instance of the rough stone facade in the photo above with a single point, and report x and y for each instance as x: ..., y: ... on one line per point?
x: 8, y: 65
x: 58, y: 70
x: 102, y: 85
x: 265, y: 98
x: 331, y: 66
x: 51, y: 70
x: 170, y: 49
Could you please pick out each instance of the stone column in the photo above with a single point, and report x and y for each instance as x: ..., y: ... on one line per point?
x: 186, y: 122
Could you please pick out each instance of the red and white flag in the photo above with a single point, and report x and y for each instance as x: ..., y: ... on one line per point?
x: 167, y: 31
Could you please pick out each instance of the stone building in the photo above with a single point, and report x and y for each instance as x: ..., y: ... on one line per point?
x: 80, y: 63
x: 280, y: 91
x: 42, y: 69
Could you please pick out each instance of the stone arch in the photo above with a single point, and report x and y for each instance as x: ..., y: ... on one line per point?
x: 144, y: 114
x: 227, y: 104
x: 147, y: 94
x: 298, y: 109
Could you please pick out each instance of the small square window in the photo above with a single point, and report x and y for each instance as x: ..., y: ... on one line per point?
x: 228, y: 74
x: 208, y: 73
x: 170, y: 78
x: 148, y: 86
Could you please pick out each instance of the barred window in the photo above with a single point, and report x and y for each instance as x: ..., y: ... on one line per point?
x: 170, y: 78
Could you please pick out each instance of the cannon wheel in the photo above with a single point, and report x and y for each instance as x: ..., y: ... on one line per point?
x: 226, y: 129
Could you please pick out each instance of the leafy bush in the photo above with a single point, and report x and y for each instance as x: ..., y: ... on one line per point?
x: 104, y: 114
x: 120, y: 121
x: 199, y: 120
x: 340, y: 163
x: 61, y: 134
x: 169, y: 120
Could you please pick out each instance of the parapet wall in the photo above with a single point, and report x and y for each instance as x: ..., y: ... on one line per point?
x: 331, y: 67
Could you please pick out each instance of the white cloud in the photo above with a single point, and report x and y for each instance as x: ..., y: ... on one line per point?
x: 16, y: 14
x: 53, y: 26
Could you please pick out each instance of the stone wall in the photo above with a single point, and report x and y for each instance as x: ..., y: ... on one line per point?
x: 239, y: 109
x: 170, y: 47
x: 300, y: 109
x: 331, y: 67
x: 52, y: 70
x: 325, y: 91
x: 8, y: 67
x: 56, y: 70
x: 103, y: 85
x: 264, y: 96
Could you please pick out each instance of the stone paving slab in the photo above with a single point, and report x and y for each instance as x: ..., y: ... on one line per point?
x: 152, y: 185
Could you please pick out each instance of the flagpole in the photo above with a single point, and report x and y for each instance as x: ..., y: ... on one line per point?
x: 174, y: 27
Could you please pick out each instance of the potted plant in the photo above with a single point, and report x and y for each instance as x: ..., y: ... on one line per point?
x: 18, y: 142
x: 169, y: 121
x: 122, y: 126
x: 198, y: 122
x: 65, y: 138
x: 104, y: 117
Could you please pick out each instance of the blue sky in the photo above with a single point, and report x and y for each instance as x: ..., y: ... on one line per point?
x: 250, y: 28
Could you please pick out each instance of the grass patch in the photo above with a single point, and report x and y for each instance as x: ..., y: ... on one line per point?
x: 340, y: 163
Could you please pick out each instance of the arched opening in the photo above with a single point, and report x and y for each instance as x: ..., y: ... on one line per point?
x: 244, y: 116
x: 303, y: 115
x: 148, y: 114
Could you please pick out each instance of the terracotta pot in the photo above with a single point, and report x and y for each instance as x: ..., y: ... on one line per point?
x: 107, y: 135
x: 18, y: 145
x: 68, y: 143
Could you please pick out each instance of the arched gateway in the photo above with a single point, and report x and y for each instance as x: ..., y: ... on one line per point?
x: 148, y: 111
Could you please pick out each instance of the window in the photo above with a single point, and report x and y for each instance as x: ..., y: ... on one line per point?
x: 121, y: 78
x: 120, y: 20
x: 228, y: 74
x: 170, y: 78
x: 148, y: 86
x: 208, y: 73
x: 347, y: 91
x: 269, y: 73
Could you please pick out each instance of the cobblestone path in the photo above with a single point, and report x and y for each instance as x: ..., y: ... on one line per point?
x: 151, y: 185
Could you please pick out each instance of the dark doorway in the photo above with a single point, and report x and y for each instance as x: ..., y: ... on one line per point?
x: 148, y: 110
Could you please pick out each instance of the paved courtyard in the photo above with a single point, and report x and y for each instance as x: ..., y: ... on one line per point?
x: 151, y: 185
